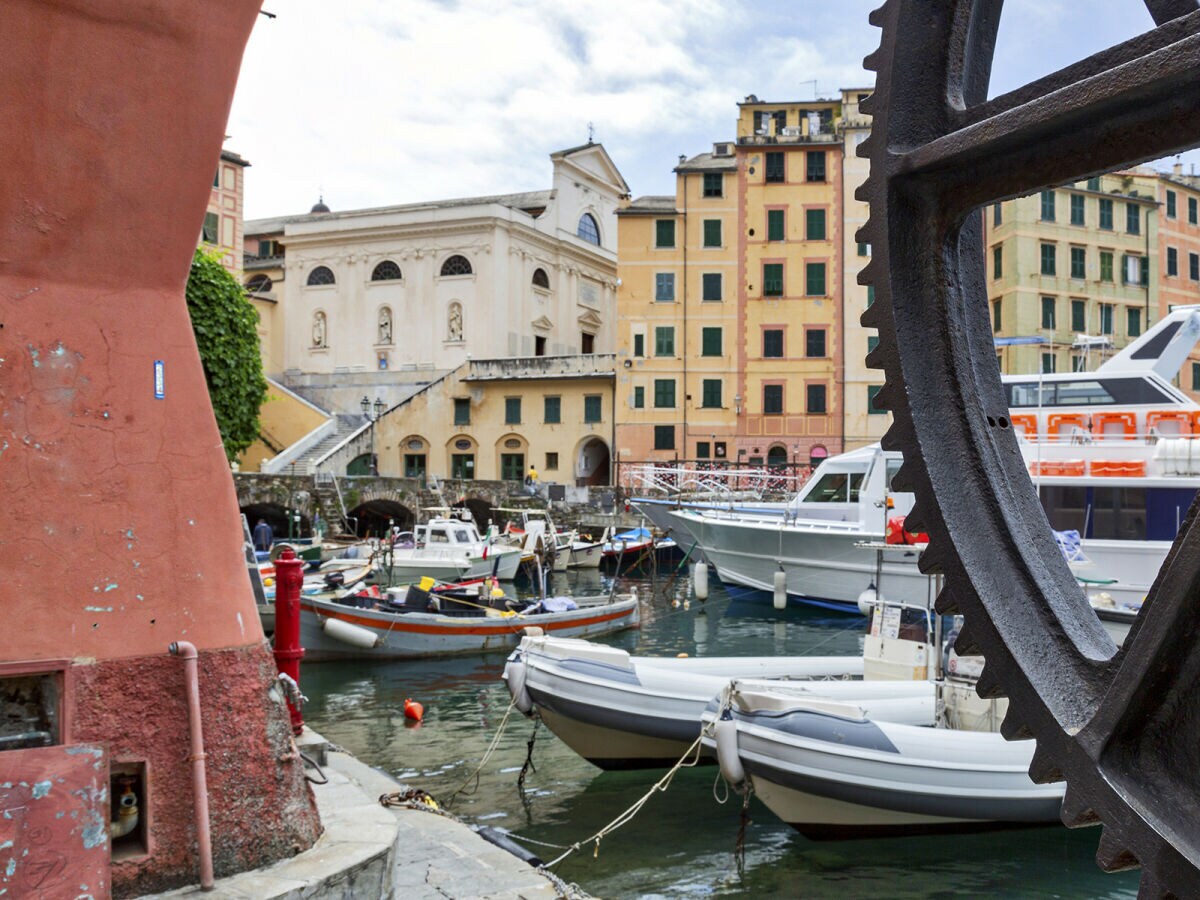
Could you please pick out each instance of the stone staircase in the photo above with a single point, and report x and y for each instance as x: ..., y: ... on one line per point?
x: 344, y: 426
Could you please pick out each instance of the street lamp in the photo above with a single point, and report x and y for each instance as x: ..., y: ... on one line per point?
x: 367, y: 408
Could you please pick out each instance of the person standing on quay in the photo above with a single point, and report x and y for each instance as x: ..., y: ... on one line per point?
x: 531, y: 481
x: 264, y: 537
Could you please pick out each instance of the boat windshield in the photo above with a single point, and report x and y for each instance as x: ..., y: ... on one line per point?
x: 836, y: 487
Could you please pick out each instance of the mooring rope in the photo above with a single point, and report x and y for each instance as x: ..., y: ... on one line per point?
x: 690, y: 758
x: 528, y: 764
x: 474, y: 776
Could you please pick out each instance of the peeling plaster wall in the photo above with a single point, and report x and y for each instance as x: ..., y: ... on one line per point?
x: 121, y: 530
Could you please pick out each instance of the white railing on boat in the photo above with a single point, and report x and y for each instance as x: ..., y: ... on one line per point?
x: 713, y: 481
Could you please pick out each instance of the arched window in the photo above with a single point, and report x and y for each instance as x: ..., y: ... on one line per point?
x: 321, y: 275
x: 777, y: 455
x: 259, y: 284
x: 588, y: 229
x: 541, y: 279
x: 386, y: 271
x: 456, y: 265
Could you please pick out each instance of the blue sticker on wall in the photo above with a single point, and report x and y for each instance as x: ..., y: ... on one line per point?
x: 159, y: 386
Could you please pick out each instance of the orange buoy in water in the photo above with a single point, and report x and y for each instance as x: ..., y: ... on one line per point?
x: 413, y: 710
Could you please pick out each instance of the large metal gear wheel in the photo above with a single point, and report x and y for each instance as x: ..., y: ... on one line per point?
x: 1122, y: 727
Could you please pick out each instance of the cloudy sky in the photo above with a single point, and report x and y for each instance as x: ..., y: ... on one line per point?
x: 375, y: 102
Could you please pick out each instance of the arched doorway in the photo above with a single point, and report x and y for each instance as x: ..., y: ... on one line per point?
x: 480, y: 510
x: 593, y: 465
x: 817, y: 455
x: 285, y: 522
x: 363, y: 464
x: 372, y: 519
x: 777, y: 455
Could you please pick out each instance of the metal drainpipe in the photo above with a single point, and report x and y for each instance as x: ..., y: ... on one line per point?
x: 684, y: 342
x: 1149, y: 211
x: 187, y: 652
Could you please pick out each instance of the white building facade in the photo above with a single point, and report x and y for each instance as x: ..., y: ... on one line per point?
x: 375, y: 302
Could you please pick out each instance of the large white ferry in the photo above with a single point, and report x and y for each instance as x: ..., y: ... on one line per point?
x: 1113, y: 453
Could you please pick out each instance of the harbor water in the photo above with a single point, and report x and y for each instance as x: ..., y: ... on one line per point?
x: 682, y: 843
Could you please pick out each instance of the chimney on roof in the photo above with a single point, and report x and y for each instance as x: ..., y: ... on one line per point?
x: 1177, y: 169
x: 682, y: 158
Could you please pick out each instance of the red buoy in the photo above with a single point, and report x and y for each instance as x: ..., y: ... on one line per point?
x: 413, y: 710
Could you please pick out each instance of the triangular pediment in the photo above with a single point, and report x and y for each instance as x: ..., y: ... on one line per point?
x: 593, y: 160
x: 590, y: 318
x: 541, y: 323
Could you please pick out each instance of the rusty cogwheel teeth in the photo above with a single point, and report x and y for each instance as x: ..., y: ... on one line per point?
x: 1122, y: 727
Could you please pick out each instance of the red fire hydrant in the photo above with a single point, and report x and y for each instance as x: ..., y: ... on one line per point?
x: 289, y: 576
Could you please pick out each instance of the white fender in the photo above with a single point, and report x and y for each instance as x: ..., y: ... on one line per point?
x: 780, y: 597
x: 350, y: 634
x: 514, y: 677
x: 700, y: 580
x: 727, y: 750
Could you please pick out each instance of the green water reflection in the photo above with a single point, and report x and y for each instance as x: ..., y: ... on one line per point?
x: 681, y: 844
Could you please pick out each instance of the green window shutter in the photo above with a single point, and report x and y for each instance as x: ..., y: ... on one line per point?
x: 664, y: 393
x: 997, y: 262
x: 553, y: 410
x: 773, y: 344
x: 462, y: 411
x: 711, y: 286
x: 639, y: 345
x: 664, y: 437
x: 872, y: 342
x: 1078, y: 316
x: 1047, y: 206
x: 1106, y: 266
x: 512, y: 410
x: 712, y: 232
x: 772, y: 399
x: 711, y: 397
x: 591, y: 408
x: 664, y: 233
x: 1048, y: 312
x: 639, y: 398
x: 772, y: 279
x: 714, y: 184
x: 814, y: 224
x: 872, y: 393
x: 1133, y: 322
x: 814, y: 279
x: 664, y: 340
x: 775, y: 225
x: 710, y: 342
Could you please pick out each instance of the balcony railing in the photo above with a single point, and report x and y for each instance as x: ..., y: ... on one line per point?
x: 584, y: 365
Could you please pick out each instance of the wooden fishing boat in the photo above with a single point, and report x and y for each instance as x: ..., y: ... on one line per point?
x: 408, y: 628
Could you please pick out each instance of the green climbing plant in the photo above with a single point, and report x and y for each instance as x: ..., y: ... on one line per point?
x: 225, y: 324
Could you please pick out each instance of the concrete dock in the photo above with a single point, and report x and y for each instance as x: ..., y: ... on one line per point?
x: 369, y: 851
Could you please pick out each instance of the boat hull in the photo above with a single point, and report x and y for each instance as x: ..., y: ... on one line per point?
x: 622, y: 712
x: 415, y: 635
x: 454, y: 567
x: 833, y: 777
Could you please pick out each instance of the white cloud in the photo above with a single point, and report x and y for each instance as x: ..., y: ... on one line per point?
x: 376, y: 102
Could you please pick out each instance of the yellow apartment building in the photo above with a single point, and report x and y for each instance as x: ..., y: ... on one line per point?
x: 1179, y: 251
x: 492, y: 419
x: 223, y: 218
x: 1078, y: 271
x: 730, y: 297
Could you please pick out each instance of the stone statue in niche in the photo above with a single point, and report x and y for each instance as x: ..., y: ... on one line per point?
x: 455, y: 330
x: 385, y: 325
x: 318, y: 330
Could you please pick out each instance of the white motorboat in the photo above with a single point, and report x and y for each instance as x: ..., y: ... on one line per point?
x: 1113, y: 455
x: 449, y: 550
x: 620, y: 711
x: 836, y: 769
